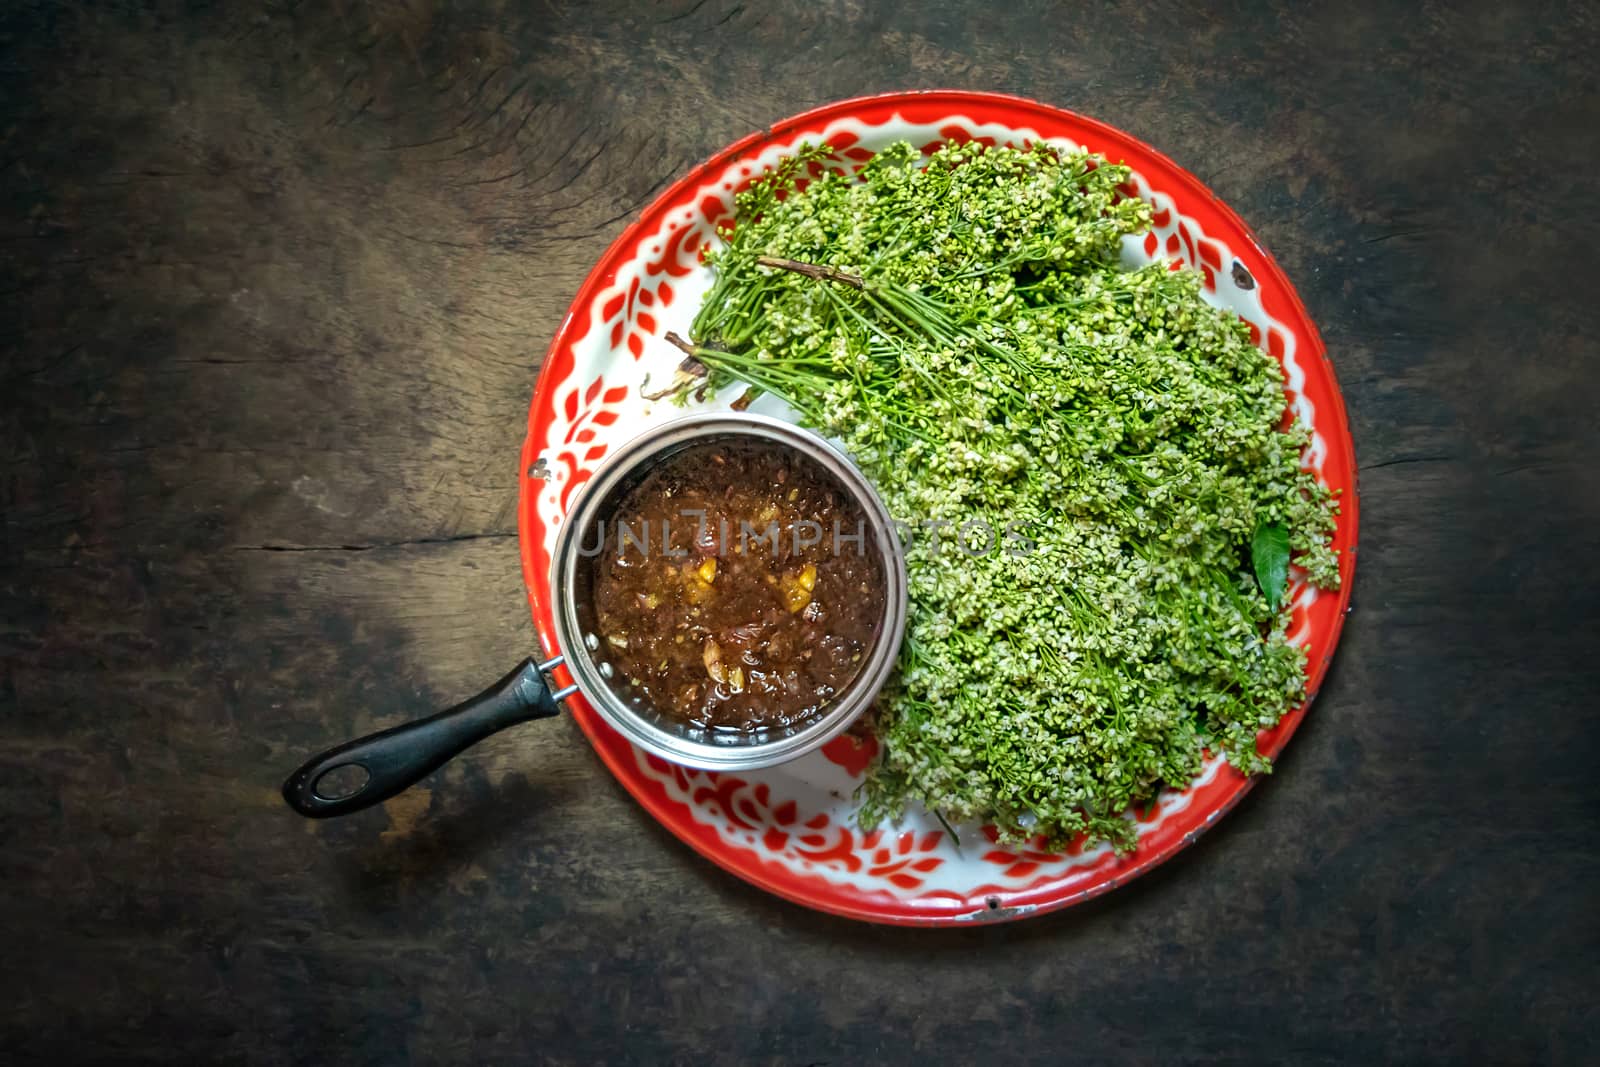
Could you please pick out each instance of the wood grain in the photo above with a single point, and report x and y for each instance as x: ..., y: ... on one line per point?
x: 278, y: 280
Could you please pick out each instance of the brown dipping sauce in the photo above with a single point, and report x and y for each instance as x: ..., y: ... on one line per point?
x: 755, y: 614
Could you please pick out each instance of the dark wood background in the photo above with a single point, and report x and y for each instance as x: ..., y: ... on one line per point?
x: 277, y: 281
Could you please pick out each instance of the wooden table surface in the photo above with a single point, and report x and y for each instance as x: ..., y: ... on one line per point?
x: 278, y: 278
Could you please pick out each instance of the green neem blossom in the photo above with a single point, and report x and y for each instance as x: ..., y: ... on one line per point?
x: 966, y: 330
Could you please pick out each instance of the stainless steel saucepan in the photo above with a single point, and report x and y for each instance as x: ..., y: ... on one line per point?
x: 372, y: 769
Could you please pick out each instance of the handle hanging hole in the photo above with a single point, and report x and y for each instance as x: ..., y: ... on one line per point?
x: 338, y: 783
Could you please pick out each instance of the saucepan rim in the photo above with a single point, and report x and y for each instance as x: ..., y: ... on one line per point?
x: 654, y: 732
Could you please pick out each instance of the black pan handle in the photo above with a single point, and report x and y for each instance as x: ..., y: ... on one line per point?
x: 400, y: 757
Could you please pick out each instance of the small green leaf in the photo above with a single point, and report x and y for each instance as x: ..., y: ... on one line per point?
x: 1269, y: 554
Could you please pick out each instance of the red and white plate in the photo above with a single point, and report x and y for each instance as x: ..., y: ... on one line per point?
x: 792, y: 829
